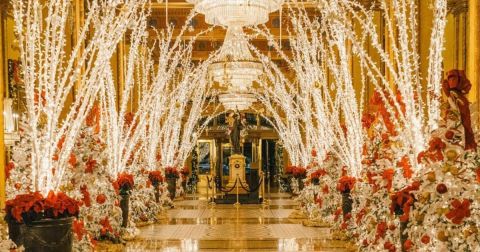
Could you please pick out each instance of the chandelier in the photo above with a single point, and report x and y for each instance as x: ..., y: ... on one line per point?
x: 236, y: 12
x: 236, y: 100
x: 235, y: 66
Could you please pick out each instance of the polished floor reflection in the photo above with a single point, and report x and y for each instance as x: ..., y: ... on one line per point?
x: 193, y: 225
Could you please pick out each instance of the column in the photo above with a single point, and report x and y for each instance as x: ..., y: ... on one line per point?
x: 218, y: 160
x: 473, y: 43
x: 3, y: 8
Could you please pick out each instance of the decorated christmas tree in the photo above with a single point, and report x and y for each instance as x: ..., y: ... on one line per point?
x: 446, y: 214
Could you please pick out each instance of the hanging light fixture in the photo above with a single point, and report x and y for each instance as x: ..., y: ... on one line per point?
x: 236, y: 12
x: 235, y: 66
x: 236, y: 100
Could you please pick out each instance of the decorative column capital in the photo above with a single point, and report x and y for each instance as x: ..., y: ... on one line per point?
x: 457, y: 7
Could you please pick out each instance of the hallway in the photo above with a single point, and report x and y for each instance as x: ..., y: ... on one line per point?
x: 193, y: 225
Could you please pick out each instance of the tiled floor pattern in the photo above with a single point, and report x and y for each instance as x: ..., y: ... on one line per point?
x: 194, y: 225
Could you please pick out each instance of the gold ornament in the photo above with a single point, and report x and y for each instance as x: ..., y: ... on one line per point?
x: 454, y: 170
x: 451, y: 155
x: 442, y: 236
x: 431, y: 177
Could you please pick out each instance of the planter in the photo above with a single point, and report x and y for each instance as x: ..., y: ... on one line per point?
x: 172, y: 187
x: 15, y: 232
x: 157, y: 193
x: 184, y: 185
x: 316, y: 181
x: 124, y: 205
x: 48, y: 235
x: 300, y: 183
x: 347, y: 203
x: 403, y: 235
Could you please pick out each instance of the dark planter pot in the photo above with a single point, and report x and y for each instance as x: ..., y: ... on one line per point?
x: 48, y: 235
x: 172, y: 187
x: 300, y: 183
x: 316, y: 181
x: 15, y: 232
x: 157, y: 193
x: 124, y: 205
x: 184, y: 185
x: 403, y: 234
x: 347, y: 203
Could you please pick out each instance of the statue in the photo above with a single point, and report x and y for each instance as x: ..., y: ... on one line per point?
x: 456, y: 87
x: 236, y: 127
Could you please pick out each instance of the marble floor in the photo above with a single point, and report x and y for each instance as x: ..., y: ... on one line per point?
x: 194, y: 225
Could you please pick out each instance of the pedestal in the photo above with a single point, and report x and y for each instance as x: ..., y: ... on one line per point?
x: 237, y: 169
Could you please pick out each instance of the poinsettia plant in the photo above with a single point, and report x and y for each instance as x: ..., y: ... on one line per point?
x: 124, y: 183
x: 155, y: 177
x: 315, y: 176
x: 345, y: 184
x: 296, y: 171
x: 184, y: 171
x: 33, y: 207
x: 171, y: 172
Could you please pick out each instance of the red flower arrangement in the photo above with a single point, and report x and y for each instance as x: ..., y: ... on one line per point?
x: 345, y: 184
x: 171, y: 172
x: 402, y: 201
x: 155, y: 177
x: 59, y: 205
x: 124, y: 183
x: 33, y: 206
x: 25, y: 207
x: 315, y: 176
x: 297, y: 172
x: 90, y: 165
x: 460, y: 211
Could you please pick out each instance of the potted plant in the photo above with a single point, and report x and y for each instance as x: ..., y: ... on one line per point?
x: 184, y: 172
x: 315, y: 176
x: 155, y: 177
x: 299, y: 173
x: 124, y: 185
x: 172, y: 174
x: 42, y: 224
x: 345, y: 186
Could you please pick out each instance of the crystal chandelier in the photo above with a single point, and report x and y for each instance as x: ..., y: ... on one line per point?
x: 235, y: 66
x: 236, y: 12
x: 236, y: 100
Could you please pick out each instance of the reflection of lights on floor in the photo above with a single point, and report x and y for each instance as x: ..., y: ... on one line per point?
x: 287, y: 245
x: 189, y: 245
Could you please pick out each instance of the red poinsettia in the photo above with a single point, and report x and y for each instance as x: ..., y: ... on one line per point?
x: 78, y: 228
x: 59, y: 205
x: 10, y: 166
x: 72, y: 160
x: 403, y: 200
x: 171, y: 172
x: 297, y: 172
x: 155, y: 177
x: 86, y: 196
x: 106, y: 227
x: 90, y: 165
x: 26, y: 207
x: 404, y: 163
x: 124, y: 183
x: 381, y: 230
x: 459, y: 211
x: 345, y: 184
x: 388, y: 176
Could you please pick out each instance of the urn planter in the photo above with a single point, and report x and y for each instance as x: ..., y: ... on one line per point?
x: 347, y: 203
x: 157, y: 193
x: 172, y: 187
x: 15, y: 232
x: 300, y: 183
x: 48, y: 235
x: 124, y: 205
